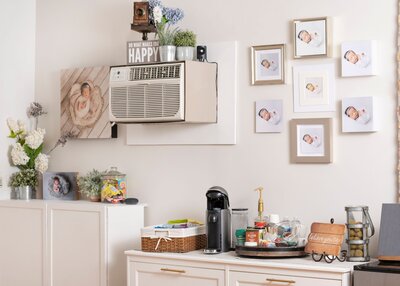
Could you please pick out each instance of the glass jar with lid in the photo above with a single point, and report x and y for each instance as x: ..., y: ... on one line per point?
x: 240, y: 220
x: 114, y: 186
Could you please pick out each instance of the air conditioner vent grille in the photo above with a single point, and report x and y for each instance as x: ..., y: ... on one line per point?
x: 143, y: 101
x: 155, y: 72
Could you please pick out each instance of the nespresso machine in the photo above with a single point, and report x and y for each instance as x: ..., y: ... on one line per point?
x: 218, y: 221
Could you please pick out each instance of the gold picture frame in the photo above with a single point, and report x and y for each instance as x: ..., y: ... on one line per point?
x: 268, y: 64
x: 311, y: 140
x: 316, y: 48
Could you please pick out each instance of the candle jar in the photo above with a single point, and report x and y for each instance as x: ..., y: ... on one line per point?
x: 114, y: 187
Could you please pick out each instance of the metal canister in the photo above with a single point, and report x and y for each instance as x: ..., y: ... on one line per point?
x: 114, y: 187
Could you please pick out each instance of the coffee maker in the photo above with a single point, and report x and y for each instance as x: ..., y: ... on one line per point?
x: 218, y: 221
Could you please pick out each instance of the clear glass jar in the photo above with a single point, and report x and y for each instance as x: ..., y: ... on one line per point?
x: 114, y: 187
x: 240, y: 220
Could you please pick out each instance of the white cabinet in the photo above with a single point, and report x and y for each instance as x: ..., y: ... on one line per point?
x: 148, y: 274
x: 227, y: 269
x: 56, y: 243
x: 259, y: 279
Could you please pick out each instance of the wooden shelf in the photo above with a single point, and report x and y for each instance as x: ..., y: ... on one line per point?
x: 144, y: 29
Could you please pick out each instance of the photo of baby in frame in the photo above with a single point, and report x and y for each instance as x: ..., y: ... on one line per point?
x: 311, y: 37
x: 359, y: 58
x: 358, y: 114
x: 311, y: 140
x: 269, y: 116
x: 60, y: 186
x: 268, y: 64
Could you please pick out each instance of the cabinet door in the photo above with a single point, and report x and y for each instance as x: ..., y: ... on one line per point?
x: 76, y: 236
x: 148, y: 274
x: 254, y: 279
x: 22, y: 244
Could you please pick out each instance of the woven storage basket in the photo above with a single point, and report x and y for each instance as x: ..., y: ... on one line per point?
x: 173, y: 240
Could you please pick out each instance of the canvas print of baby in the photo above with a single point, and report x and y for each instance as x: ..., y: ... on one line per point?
x: 358, y: 114
x: 358, y: 58
x: 269, y: 116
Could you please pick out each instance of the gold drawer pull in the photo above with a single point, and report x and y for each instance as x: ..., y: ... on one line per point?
x: 281, y: 281
x: 173, y: 270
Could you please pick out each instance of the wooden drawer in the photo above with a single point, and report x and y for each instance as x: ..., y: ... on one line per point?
x: 253, y: 279
x: 149, y: 274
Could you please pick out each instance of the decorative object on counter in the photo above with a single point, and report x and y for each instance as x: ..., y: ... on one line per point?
x: 268, y: 64
x: 325, y: 241
x: 359, y: 58
x: 143, y: 52
x: 164, y: 18
x: 201, y: 53
x: 218, y: 225
x: 314, y: 88
x: 114, y: 186
x: 84, y: 101
x: 312, y: 37
x: 269, y: 116
x: 60, y: 186
x: 185, y: 41
x: 26, y: 154
x: 240, y: 221
x: 270, y: 252
x: 260, y: 221
x: 311, y: 140
x: 167, y: 238
x: 91, y: 184
x: 359, y: 114
x: 389, y: 247
x: 359, y: 230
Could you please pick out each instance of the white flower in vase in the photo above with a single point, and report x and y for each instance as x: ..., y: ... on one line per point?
x: 41, y: 163
x: 157, y: 14
x: 18, y: 155
x: 17, y: 127
x: 35, y: 138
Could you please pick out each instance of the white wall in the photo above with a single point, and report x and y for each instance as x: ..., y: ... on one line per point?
x: 17, y: 70
x: 173, y: 180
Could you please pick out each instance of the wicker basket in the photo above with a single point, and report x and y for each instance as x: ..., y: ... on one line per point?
x: 173, y: 240
x: 178, y: 244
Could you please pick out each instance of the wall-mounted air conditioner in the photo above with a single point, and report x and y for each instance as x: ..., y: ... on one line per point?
x: 164, y: 92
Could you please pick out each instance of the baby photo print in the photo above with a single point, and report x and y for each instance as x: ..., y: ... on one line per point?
x: 359, y: 58
x: 311, y: 37
x: 268, y: 64
x: 269, y: 116
x: 358, y: 114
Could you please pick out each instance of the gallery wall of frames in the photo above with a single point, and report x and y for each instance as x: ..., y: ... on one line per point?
x: 314, y: 88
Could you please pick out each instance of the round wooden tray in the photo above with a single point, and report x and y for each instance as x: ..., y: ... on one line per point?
x: 270, y: 252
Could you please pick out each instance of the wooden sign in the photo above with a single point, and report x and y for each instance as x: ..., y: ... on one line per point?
x: 143, y: 52
x: 325, y: 238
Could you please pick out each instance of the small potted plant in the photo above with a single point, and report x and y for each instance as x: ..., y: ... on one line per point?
x: 90, y: 185
x: 185, y: 41
x: 23, y: 184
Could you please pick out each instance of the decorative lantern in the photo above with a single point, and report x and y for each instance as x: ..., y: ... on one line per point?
x: 114, y: 187
x: 358, y: 223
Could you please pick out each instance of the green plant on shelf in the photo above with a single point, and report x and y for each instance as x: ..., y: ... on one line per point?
x: 90, y: 185
x: 185, y: 39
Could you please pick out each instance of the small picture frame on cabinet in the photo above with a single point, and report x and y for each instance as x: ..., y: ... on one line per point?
x: 60, y: 186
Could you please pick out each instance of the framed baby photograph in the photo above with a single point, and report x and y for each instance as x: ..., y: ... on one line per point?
x: 311, y: 140
x: 311, y: 37
x: 359, y: 114
x: 269, y: 116
x: 60, y: 186
x: 268, y: 64
x: 314, y: 88
x: 359, y: 58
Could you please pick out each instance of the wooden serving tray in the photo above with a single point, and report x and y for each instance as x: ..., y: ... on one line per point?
x: 270, y: 252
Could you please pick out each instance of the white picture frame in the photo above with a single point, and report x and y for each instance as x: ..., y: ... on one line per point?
x: 359, y: 58
x: 314, y: 88
x: 269, y: 116
x: 359, y: 114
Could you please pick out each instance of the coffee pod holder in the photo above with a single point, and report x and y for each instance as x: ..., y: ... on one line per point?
x: 359, y: 230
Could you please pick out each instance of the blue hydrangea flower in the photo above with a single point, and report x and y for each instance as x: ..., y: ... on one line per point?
x: 173, y: 16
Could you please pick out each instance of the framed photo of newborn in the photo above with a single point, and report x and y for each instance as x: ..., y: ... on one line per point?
x: 312, y: 37
x: 359, y: 114
x: 268, y: 64
x: 84, y: 103
x: 60, y: 186
x: 314, y: 88
x: 269, y: 116
x: 311, y: 140
x: 359, y: 58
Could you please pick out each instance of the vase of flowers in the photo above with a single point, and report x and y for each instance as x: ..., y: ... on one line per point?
x: 164, y: 19
x: 90, y: 185
x: 26, y: 155
x: 185, y: 41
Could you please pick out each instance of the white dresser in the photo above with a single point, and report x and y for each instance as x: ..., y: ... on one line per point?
x: 66, y: 243
x: 198, y: 269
